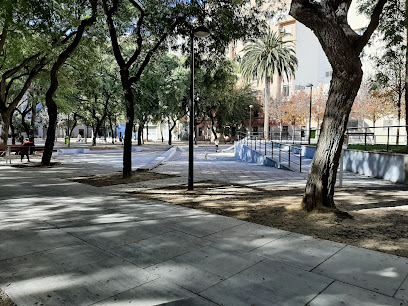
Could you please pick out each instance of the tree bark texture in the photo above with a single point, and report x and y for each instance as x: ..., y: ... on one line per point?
x: 328, y: 20
x: 266, y: 106
x: 130, y: 118
x: 5, y: 126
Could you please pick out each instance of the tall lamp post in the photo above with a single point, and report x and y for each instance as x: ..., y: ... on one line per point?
x: 199, y: 32
x: 250, y: 118
x: 310, y: 110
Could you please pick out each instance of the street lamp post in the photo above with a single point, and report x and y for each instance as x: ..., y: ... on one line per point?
x: 199, y: 32
x: 250, y: 118
x: 310, y: 110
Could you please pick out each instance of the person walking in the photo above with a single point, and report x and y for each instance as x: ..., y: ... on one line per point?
x: 25, y: 149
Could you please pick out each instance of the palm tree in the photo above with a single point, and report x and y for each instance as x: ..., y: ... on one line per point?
x: 263, y: 58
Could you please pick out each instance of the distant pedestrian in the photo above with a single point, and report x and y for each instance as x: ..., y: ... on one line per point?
x: 216, y: 145
x: 25, y: 149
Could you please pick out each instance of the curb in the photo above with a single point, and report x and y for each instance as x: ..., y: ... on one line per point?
x: 159, y: 160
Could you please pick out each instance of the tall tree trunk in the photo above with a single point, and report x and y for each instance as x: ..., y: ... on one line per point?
x: 139, y: 134
x: 49, y: 96
x: 266, y: 106
x: 322, y: 176
x: 406, y: 76
x: 171, y: 130
x: 12, y: 129
x: 5, y: 126
x: 32, y: 122
x: 130, y: 118
x: 111, y: 127
x: 342, y: 46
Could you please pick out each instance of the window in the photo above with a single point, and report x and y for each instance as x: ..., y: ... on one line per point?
x: 329, y: 74
x: 285, y: 90
x: 256, y: 113
x: 299, y: 87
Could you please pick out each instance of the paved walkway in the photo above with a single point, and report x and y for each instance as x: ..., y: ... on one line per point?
x: 65, y: 243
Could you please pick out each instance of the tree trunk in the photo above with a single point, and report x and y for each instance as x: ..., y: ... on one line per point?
x: 406, y: 79
x: 5, y: 126
x: 322, y: 176
x: 111, y: 127
x: 32, y: 122
x: 266, y: 106
x: 12, y: 129
x: 212, y: 128
x: 139, y: 134
x: 342, y: 46
x: 171, y: 130
x: 52, y: 124
x: 127, y: 144
x: 49, y: 100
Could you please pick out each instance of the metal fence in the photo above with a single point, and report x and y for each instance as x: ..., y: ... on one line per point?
x: 287, y: 155
x: 382, y: 135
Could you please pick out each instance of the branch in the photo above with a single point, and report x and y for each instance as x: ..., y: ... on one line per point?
x: 3, y: 35
x: 139, y: 35
x: 375, y: 20
x: 68, y: 37
x: 149, y: 55
x: 112, y: 31
x: 10, y: 83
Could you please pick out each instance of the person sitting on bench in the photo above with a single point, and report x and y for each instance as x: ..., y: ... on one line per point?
x: 25, y: 150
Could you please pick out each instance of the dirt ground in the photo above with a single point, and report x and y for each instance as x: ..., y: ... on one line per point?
x: 5, y: 300
x: 116, y: 179
x: 380, y: 215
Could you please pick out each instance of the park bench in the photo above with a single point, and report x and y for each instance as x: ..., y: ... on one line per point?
x: 7, y: 150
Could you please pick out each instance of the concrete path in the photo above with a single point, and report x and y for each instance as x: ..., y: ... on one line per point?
x: 65, y: 243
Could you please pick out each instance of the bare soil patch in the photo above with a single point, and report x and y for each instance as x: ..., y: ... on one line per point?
x: 5, y: 300
x: 379, y: 223
x: 117, y: 179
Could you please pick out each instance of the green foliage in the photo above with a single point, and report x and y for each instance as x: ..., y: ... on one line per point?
x: 220, y: 98
x: 269, y: 54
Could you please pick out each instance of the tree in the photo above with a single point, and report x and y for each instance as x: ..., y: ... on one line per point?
x: 390, y: 75
x: 372, y: 104
x: 393, y: 31
x: 148, y: 24
x: 328, y: 20
x: 267, y: 56
x: 296, y: 109
x: 85, y: 20
x: 22, y: 53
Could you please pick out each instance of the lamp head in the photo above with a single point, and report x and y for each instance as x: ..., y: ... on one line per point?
x: 201, y: 32
x: 309, y: 85
x: 251, y: 106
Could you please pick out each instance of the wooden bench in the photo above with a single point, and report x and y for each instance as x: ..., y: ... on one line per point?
x: 6, y: 150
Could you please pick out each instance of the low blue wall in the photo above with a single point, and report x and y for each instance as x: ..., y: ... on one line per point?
x: 245, y: 153
x: 388, y: 166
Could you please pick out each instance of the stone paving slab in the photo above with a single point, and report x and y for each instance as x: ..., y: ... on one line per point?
x: 268, y: 283
x: 204, y: 267
x: 159, y: 248
x: 157, y: 292
x: 402, y: 292
x: 247, y: 236
x: 299, y: 250
x: 379, y: 272
x: 339, y: 294
x: 35, y: 242
x: 202, y: 225
x: 110, y: 236
x: 50, y: 262
x: 82, y: 286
